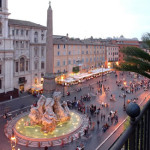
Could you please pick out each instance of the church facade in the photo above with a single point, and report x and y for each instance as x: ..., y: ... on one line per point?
x: 22, y: 52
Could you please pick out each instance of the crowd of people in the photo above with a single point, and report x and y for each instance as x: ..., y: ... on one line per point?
x: 102, y: 114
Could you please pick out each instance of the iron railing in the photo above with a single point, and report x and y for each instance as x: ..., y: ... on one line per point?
x: 137, y: 135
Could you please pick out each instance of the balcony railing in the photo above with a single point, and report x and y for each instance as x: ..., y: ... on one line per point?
x: 137, y: 135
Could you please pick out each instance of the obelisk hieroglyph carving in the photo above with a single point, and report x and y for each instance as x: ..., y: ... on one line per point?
x: 49, y: 79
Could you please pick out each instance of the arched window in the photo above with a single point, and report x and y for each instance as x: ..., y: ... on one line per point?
x: 22, y: 63
x: 36, y: 37
x: 0, y: 28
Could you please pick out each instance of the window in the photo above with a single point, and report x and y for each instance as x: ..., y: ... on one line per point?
x: 22, y: 62
x: 69, y: 62
x: 64, y: 53
x: 82, y: 60
x: 87, y: 60
x: 64, y: 46
x: 42, y: 51
x: 58, y: 53
x: 22, y: 44
x: 82, y: 52
x: 42, y: 36
x: 36, y: 65
x: 86, y: 52
x: 36, y: 37
x: 27, y: 32
x: 58, y: 46
x: 1, y: 28
x: 16, y: 66
x: 27, y: 64
x: 69, y: 53
x: 17, y: 32
x: 42, y: 75
x: 13, y: 32
x: 0, y: 69
x: 74, y: 61
x: 0, y: 83
x: 22, y: 32
x: 64, y: 62
x: 17, y: 45
x: 58, y: 63
x: 42, y: 65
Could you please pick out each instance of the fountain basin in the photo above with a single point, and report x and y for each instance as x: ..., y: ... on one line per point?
x: 32, y: 136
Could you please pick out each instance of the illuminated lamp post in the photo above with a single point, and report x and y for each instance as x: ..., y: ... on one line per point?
x: 102, y: 73
x: 62, y: 80
x: 124, y: 96
x: 63, y: 89
x: 13, y: 141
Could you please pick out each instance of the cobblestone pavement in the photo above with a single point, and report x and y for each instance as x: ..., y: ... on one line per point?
x: 95, y: 137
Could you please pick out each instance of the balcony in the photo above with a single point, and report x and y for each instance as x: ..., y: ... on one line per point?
x: 137, y: 135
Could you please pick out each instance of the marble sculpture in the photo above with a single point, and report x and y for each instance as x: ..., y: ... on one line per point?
x: 49, y: 112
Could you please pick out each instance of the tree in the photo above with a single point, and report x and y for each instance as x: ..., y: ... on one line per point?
x: 136, y: 60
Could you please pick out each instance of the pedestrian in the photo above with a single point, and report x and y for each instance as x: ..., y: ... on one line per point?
x: 78, y: 148
x: 98, y: 123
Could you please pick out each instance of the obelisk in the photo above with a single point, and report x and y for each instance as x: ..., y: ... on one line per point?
x: 49, y: 78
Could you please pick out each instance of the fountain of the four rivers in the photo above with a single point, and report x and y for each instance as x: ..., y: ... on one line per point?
x: 50, y: 123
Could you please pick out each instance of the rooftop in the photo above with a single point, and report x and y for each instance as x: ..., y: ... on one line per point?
x: 25, y: 23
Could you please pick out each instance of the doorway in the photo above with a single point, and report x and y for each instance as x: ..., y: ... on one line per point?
x: 21, y: 88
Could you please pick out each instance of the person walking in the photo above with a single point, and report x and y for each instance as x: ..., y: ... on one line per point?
x: 98, y: 123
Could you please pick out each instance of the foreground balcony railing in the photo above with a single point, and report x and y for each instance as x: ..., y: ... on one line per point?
x: 137, y: 135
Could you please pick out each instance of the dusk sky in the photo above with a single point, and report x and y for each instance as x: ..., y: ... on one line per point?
x: 86, y: 18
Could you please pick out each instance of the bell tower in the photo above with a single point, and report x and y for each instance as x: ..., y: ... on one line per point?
x: 4, y: 5
x: 6, y: 49
x: 4, y: 18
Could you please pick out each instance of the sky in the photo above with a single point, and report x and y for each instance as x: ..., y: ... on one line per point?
x: 86, y: 18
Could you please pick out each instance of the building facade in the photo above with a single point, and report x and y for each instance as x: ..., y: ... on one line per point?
x: 22, y: 52
x: 70, y: 52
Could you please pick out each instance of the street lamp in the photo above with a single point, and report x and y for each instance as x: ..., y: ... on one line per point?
x: 63, y: 89
x: 13, y: 141
x: 102, y: 73
x: 124, y: 96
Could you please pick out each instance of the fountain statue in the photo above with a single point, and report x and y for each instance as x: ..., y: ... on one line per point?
x: 49, y: 112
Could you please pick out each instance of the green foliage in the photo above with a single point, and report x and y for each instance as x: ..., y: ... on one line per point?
x: 75, y: 69
x: 136, y: 60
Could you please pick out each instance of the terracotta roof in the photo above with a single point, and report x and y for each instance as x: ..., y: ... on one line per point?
x: 25, y: 23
